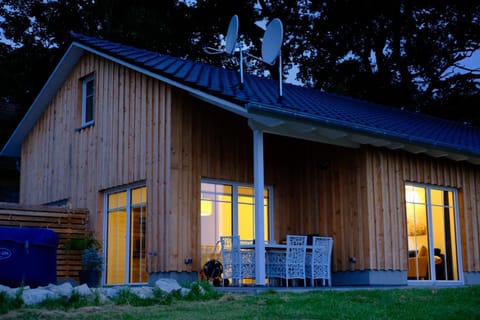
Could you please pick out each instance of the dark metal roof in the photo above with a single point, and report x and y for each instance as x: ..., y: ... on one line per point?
x: 261, y: 95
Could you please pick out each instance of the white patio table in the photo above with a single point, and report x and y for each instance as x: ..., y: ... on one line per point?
x: 272, y: 260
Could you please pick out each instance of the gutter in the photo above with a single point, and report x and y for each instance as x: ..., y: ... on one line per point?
x: 267, y: 110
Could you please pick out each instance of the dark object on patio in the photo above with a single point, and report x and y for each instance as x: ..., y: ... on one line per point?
x: 213, y: 270
x: 28, y: 256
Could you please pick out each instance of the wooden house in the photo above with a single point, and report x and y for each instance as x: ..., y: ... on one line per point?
x: 168, y: 154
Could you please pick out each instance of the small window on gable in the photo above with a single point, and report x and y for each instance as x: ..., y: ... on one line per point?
x: 88, y: 97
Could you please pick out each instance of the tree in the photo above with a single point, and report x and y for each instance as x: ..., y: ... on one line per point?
x: 397, y: 52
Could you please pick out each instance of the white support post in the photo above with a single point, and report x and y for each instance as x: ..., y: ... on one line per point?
x: 258, y: 179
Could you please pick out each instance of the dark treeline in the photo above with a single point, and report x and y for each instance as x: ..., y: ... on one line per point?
x: 398, y: 53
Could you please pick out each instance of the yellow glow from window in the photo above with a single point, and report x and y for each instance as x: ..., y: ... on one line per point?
x: 139, y: 195
x: 266, y: 222
x: 415, y: 194
x: 117, y: 200
x: 206, y: 207
x: 138, y: 270
x: 224, y: 216
x: 216, y: 210
x: 116, y: 247
x: 246, y: 228
x: 126, y: 247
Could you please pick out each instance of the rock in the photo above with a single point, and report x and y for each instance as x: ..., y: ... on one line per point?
x: 63, y: 290
x: 111, y: 292
x: 83, y: 290
x: 38, y: 295
x: 143, y: 292
x: 71, y: 281
x: 11, y: 293
x: 167, y: 285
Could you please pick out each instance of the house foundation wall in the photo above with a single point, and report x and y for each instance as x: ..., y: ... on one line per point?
x: 471, y: 278
x: 370, y: 278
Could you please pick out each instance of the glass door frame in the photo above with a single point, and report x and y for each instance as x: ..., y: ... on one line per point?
x: 128, y: 207
x: 458, y: 240
x: 235, y: 185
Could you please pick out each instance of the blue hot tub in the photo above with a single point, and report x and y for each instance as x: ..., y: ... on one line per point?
x: 28, y: 256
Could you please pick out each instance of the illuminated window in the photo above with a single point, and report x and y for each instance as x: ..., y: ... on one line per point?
x: 432, y: 232
x: 226, y: 209
x: 125, y: 234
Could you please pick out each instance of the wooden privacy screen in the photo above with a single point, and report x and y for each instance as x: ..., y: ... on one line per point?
x: 67, y: 223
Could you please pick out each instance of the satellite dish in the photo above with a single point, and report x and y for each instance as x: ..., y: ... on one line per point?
x: 272, y: 41
x: 271, y: 45
x: 232, y: 35
x: 230, y: 39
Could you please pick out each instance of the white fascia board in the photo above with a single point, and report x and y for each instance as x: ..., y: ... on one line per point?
x: 14, y: 144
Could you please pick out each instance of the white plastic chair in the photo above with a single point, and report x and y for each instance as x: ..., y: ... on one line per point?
x: 290, y: 264
x: 318, y: 264
x: 233, y: 267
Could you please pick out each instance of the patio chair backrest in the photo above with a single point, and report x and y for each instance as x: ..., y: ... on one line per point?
x: 231, y: 257
x: 295, y: 256
x: 321, y: 256
x: 319, y: 266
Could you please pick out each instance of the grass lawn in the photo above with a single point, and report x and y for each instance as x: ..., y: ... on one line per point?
x: 409, y: 303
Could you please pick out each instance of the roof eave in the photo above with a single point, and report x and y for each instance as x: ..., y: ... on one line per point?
x: 298, y: 126
x: 14, y: 144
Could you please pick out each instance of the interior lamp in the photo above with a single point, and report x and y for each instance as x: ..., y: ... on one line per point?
x: 206, y: 208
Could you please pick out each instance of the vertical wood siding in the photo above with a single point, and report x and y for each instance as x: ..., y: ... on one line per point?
x: 146, y: 131
x: 205, y: 142
x: 393, y: 170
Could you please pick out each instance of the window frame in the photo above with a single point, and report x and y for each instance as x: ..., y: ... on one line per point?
x: 86, y: 96
x: 429, y: 205
x: 128, y: 208
x: 235, y: 186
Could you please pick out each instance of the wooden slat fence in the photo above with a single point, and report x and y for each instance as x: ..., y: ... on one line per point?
x: 67, y: 223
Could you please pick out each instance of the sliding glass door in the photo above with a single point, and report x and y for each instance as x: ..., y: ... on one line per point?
x: 432, y: 228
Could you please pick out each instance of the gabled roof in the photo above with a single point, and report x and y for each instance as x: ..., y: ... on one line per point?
x: 302, y: 112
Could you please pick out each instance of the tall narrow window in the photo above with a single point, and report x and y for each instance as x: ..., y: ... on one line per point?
x: 88, y: 97
x: 432, y: 233
x: 125, y: 234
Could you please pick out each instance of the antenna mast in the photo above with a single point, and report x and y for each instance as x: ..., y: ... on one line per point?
x: 271, y: 47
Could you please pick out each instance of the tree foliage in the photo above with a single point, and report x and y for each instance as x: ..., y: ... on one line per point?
x: 398, y: 52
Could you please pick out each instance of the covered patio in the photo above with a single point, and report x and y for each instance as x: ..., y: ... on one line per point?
x: 298, y: 185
